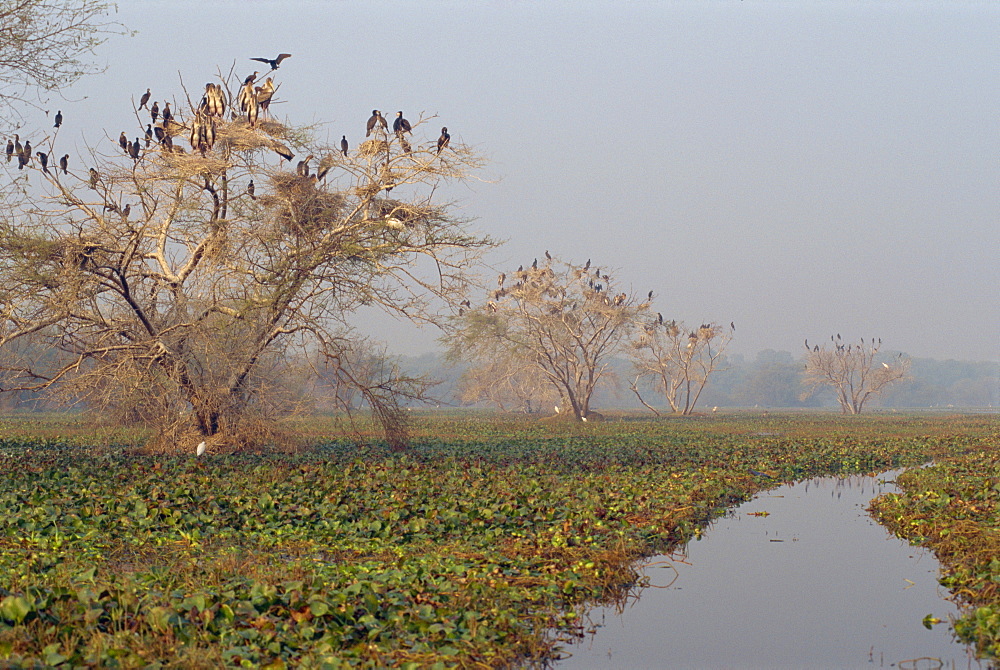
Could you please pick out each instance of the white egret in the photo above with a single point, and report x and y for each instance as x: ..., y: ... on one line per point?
x: 201, y: 449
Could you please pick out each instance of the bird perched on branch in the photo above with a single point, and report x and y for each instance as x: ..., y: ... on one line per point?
x: 264, y: 93
x: 154, y: 111
x: 10, y: 149
x: 251, y: 78
x: 213, y: 102
x: 444, y: 140
x: 144, y: 100
x: 123, y: 142
x: 59, y: 118
x: 167, y: 114
x: 401, y: 125
x: 94, y: 177
x: 64, y: 164
x: 43, y: 158
x: 273, y: 62
x: 250, y: 190
x: 376, y: 119
x: 343, y: 145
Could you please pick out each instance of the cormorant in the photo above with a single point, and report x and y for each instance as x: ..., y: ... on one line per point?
x: 144, y: 100
x: 250, y: 190
x: 167, y: 115
x: 401, y: 125
x: 64, y: 164
x: 93, y: 178
x: 548, y: 255
x: 534, y: 266
x: 444, y: 140
x: 155, y: 111
x: 127, y: 210
x: 375, y: 119
x: 123, y: 142
x: 18, y: 148
x: 160, y: 134
x: 43, y: 158
x: 343, y: 144
x: 26, y: 151
x: 251, y: 78
x: 58, y: 119
x: 134, y: 149
x: 649, y: 296
x: 10, y: 149
x: 275, y: 62
x: 149, y: 134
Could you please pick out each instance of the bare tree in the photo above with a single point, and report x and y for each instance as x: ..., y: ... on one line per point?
x: 853, y: 371
x: 510, y: 383
x: 566, y: 320
x: 192, y: 274
x: 677, y: 361
x: 43, y: 46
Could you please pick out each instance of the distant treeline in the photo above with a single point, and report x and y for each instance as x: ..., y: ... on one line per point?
x: 773, y: 379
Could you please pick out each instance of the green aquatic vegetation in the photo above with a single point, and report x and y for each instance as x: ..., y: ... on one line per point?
x: 465, y: 551
x: 953, y: 508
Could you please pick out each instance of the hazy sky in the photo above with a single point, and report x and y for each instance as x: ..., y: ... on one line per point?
x: 800, y: 168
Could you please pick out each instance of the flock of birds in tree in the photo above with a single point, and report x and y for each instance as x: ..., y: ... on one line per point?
x: 841, y: 349
x: 252, y: 100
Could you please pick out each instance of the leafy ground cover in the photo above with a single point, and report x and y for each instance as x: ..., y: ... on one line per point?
x: 953, y: 508
x: 465, y: 551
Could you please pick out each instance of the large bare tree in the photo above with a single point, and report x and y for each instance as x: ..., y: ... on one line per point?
x: 677, y: 361
x: 510, y: 383
x: 44, y: 46
x: 854, y: 371
x: 566, y: 320
x: 188, y: 264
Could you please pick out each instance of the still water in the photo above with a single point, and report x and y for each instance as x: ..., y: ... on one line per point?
x: 815, y: 583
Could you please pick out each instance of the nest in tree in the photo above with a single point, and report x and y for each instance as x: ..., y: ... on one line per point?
x: 370, y: 148
x: 239, y: 135
x: 300, y: 207
x: 190, y: 165
x: 368, y: 191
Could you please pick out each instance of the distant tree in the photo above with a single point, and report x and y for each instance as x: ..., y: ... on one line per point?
x: 853, y: 371
x: 563, y: 319
x: 509, y: 383
x: 192, y: 276
x: 43, y: 47
x: 677, y: 361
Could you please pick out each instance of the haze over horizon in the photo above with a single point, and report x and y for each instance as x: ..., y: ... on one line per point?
x: 799, y: 169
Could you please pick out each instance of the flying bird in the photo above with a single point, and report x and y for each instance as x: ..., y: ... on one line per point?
x: 343, y: 144
x: 144, y: 100
x: 444, y: 140
x: 275, y: 62
x: 58, y: 119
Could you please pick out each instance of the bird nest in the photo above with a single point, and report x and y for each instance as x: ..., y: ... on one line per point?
x: 177, y: 164
x: 370, y: 148
x: 300, y: 207
x: 239, y: 135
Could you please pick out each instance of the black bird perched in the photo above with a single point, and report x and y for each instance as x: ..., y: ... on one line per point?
x: 26, y: 151
x: 250, y: 78
x: 444, y: 140
x: 22, y: 160
x: 43, y: 158
x: 160, y: 134
x: 17, y: 144
x: 144, y: 100
x: 548, y: 255
x: 134, y: 148
x: 149, y: 134
x: 732, y: 325
x: 534, y: 266
x: 274, y: 63
x: 167, y: 115
x: 401, y: 125
x: 126, y: 210
x: 250, y: 190
x: 64, y: 164
x: 649, y: 296
x: 93, y: 178
x: 587, y: 266
x: 58, y: 119
x: 155, y: 110
x: 343, y: 144
x: 123, y: 142
x: 10, y: 149
x: 375, y: 119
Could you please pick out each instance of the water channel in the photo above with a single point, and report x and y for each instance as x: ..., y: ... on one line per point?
x: 814, y: 583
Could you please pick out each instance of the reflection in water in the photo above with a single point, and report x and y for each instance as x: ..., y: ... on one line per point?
x: 815, y: 583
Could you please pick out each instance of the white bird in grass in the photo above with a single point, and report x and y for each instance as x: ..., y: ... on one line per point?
x: 557, y: 409
x: 201, y: 449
